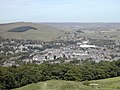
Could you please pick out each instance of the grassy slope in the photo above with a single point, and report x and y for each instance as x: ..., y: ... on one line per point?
x: 56, y: 85
x: 43, y: 32
x: 108, y: 84
x: 104, y: 84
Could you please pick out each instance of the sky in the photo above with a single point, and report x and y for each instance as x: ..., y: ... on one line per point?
x: 59, y: 11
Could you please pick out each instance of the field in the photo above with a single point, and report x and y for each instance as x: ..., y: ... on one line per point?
x: 104, y: 84
x: 106, y: 35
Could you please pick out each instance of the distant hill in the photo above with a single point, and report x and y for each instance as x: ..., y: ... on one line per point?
x: 85, y: 26
x: 28, y: 30
x: 104, y: 84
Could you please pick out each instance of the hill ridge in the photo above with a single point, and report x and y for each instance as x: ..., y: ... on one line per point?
x: 42, y: 32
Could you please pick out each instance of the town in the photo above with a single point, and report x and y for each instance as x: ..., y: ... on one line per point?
x: 66, y: 49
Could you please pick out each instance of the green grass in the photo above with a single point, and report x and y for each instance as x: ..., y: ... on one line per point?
x: 104, y: 84
x: 108, y: 84
x: 56, y: 85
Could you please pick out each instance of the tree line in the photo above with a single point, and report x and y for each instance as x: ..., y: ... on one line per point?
x: 14, y: 77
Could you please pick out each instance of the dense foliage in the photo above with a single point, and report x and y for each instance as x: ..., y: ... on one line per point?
x: 22, y: 29
x: 13, y: 77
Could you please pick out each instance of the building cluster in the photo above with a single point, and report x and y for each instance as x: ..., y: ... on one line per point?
x: 80, y: 51
x: 66, y: 49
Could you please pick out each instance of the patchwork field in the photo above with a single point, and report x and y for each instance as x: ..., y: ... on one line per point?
x: 106, y: 35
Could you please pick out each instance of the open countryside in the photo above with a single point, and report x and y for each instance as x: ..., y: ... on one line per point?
x: 59, y: 45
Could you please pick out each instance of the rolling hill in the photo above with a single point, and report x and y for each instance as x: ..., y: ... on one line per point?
x: 56, y: 85
x: 104, y: 84
x: 28, y: 30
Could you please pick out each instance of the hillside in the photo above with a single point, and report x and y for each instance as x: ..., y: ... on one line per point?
x: 56, y: 85
x: 104, y: 84
x: 108, y: 84
x: 27, y: 30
